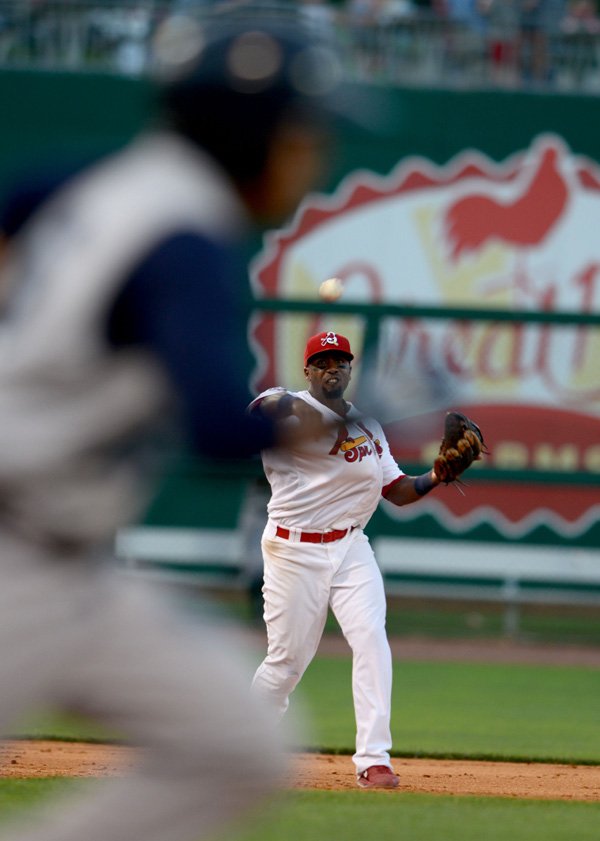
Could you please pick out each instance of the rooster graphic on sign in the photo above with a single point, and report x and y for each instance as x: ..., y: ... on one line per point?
x: 473, y: 221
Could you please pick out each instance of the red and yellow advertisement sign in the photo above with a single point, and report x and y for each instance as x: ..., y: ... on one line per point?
x: 522, y: 235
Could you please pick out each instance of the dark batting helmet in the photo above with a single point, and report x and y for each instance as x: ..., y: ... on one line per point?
x: 228, y: 82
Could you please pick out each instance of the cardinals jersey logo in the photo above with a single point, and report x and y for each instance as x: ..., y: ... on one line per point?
x: 475, y: 232
x: 356, y: 448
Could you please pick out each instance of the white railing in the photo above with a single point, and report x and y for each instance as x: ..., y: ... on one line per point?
x: 416, y: 49
x: 461, y: 571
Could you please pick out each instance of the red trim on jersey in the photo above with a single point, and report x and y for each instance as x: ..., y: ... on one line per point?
x: 386, y: 488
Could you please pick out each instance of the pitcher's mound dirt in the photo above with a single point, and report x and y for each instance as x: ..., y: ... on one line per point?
x: 24, y: 758
x: 444, y: 776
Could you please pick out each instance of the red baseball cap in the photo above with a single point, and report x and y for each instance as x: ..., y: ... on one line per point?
x: 327, y: 343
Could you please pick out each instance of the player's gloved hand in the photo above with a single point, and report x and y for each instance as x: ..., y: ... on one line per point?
x: 461, y: 445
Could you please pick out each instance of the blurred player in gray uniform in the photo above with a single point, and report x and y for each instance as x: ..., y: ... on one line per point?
x: 122, y: 299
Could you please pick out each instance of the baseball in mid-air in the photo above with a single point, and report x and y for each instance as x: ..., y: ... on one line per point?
x: 331, y: 289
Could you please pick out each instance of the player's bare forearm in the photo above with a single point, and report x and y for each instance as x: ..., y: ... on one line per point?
x: 412, y: 488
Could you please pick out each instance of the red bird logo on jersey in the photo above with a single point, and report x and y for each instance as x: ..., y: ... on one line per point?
x: 473, y: 221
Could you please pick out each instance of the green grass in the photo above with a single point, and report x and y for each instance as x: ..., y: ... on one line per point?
x: 478, y: 710
x: 20, y: 796
x: 466, y: 709
x: 26, y: 792
x: 439, y: 709
x: 455, y: 620
x: 354, y: 816
x: 449, y: 620
x: 66, y: 728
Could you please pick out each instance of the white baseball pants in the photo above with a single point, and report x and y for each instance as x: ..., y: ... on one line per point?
x: 301, y: 580
x: 81, y: 640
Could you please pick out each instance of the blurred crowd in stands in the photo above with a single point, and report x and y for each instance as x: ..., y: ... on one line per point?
x: 519, y: 42
x: 510, y: 43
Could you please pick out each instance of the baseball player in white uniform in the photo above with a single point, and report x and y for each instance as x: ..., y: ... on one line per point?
x: 316, y: 555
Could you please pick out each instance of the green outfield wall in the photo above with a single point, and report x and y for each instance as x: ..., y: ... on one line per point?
x: 77, y: 116
x: 67, y: 113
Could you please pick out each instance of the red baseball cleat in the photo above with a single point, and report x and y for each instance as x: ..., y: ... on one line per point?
x: 378, y: 776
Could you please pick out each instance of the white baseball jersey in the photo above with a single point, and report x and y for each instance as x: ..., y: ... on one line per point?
x: 334, y: 482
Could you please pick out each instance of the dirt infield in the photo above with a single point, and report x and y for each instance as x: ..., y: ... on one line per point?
x: 24, y: 758
x: 28, y: 758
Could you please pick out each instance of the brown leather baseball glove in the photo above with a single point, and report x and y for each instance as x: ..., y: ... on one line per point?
x: 461, y: 445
